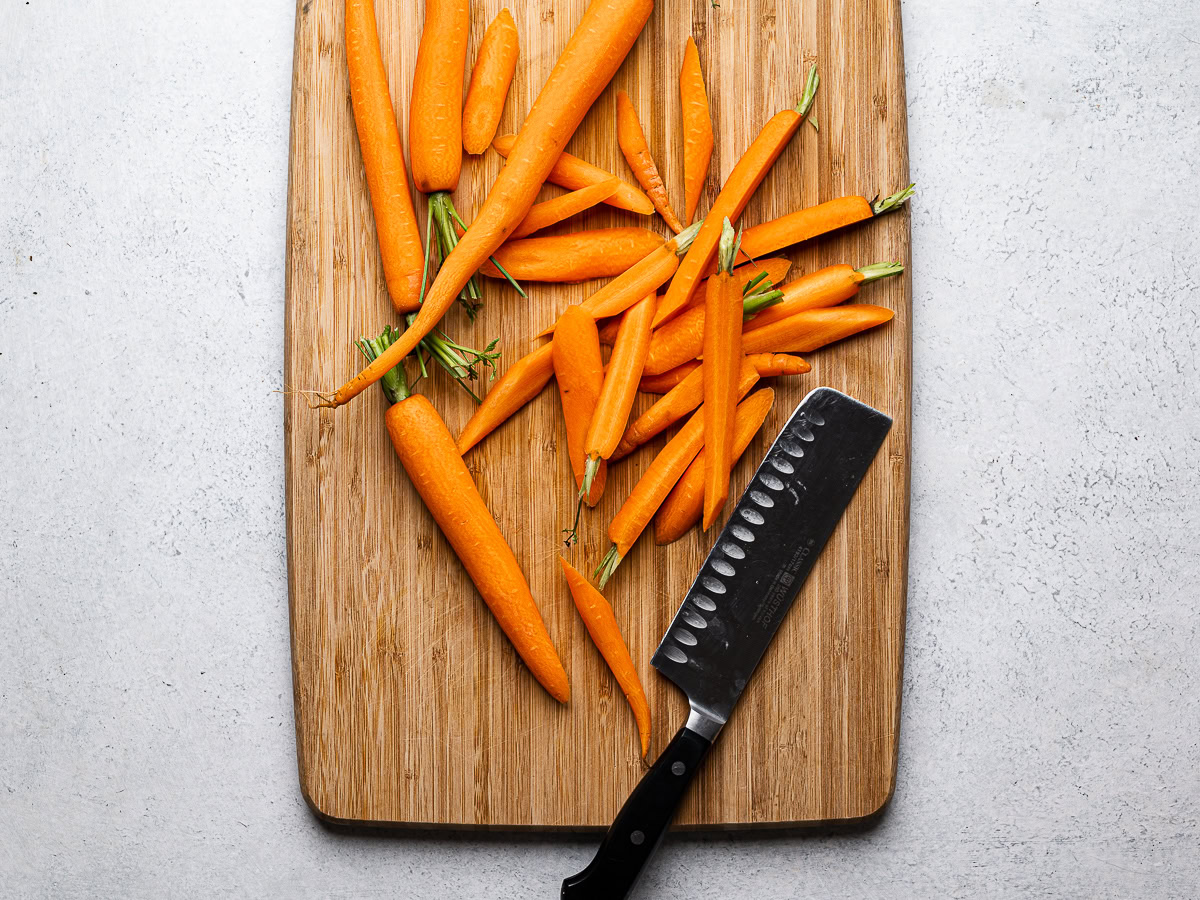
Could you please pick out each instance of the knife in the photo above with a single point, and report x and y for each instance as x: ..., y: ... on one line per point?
x: 733, y: 609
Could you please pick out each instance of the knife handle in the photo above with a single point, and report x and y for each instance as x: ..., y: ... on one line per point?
x: 640, y: 825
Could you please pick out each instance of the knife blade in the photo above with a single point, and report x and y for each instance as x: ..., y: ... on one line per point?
x: 727, y: 619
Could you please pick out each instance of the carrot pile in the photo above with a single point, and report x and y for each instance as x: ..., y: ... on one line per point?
x: 699, y: 315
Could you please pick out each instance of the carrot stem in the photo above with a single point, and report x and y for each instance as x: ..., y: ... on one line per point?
x: 894, y: 202
x: 875, y: 271
x: 395, y: 383
x: 608, y: 565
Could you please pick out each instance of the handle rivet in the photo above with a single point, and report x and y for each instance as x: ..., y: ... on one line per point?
x: 678, y: 768
x: 637, y: 838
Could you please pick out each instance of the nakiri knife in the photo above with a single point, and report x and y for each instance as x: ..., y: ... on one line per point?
x: 733, y: 609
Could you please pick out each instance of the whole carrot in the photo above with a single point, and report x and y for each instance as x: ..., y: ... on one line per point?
x: 619, y: 388
x: 523, y: 381
x: 743, y: 181
x: 697, y: 129
x: 822, y: 288
x: 600, y: 43
x: 579, y: 371
x: 601, y: 624
x: 490, y: 79
x: 814, y: 328
x: 632, y: 141
x: 543, y: 215
x: 428, y: 454
x: 682, y: 508
x: 574, y: 173
x: 575, y: 256
x: 383, y: 158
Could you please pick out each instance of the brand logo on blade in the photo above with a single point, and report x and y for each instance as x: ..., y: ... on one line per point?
x: 780, y: 589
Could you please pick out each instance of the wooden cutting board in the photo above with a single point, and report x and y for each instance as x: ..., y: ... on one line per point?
x: 411, y: 707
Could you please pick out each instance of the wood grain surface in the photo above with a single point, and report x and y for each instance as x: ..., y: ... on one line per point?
x: 411, y: 707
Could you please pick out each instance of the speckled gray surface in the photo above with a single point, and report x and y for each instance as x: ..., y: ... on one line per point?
x: 1051, y: 726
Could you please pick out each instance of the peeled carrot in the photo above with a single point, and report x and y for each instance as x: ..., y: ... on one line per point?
x: 689, y: 394
x: 490, y: 79
x: 436, y: 469
x: 601, y: 624
x: 743, y: 181
x: 576, y: 256
x: 435, y: 113
x: 814, y: 328
x: 383, y: 158
x: 822, y: 288
x: 697, y: 129
x: 722, y: 360
x: 523, y: 381
x: 572, y: 172
x: 682, y: 508
x: 579, y: 371
x: 543, y: 215
x: 660, y: 384
x: 600, y: 43
x: 632, y: 141
x: 620, y: 387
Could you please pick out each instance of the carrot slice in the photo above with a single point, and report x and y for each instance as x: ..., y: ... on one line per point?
x: 543, y: 215
x: 697, y: 129
x: 579, y: 371
x: 601, y: 624
x: 577, y: 256
x: 523, y: 381
x: 490, y: 80
x: 632, y: 141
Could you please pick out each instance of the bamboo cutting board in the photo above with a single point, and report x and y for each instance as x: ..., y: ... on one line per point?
x: 411, y: 707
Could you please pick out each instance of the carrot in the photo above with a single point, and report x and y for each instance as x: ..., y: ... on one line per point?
x: 522, y: 382
x: 814, y: 328
x: 751, y: 275
x: 600, y: 43
x: 383, y: 158
x: 428, y: 454
x: 577, y: 256
x: 620, y: 387
x: 681, y: 510
x: 644, y: 278
x: 660, y: 384
x: 579, y: 371
x: 601, y: 624
x: 435, y: 113
x: 722, y: 360
x: 689, y: 394
x: 824, y: 287
x: 574, y: 173
x: 697, y: 129
x: 490, y: 79
x: 608, y: 331
x: 543, y: 215
x: 654, y: 485
x: 632, y: 141
x: 743, y: 181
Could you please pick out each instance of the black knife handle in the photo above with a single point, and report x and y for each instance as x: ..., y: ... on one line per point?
x: 640, y: 825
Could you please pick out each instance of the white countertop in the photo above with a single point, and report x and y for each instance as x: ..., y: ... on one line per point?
x: 1050, y: 741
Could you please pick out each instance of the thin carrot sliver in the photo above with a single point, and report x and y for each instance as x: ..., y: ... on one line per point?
x: 632, y: 141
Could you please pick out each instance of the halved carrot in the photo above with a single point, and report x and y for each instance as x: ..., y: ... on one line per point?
x: 436, y: 469
x: 814, y: 328
x: 660, y: 384
x: 383, y: 159
x: 579, y: 371
x: 697, y: 129
x: 435, y: 109
x: 601, y: 41
x: 490, y: 80
x: 572, y: 172
x: 621, y: 379
x: 577, y: 256
x: 743, y: 181
x: 683, y: 506
x: 601, y: 624
x: 549, y: 212
x: 822, y: 288
x: 632, y: 141
x: 523, y: 381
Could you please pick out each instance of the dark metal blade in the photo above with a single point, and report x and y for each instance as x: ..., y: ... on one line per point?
x: 766, y: 550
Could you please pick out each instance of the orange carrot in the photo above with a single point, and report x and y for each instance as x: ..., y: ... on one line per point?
x: 522, y: 382
x: 660, y: 384
x: 600, y: 43
x: 383, y: 158
x: 435, y: 113
x: 601, y: 624
x: 430, y: 458
x: 632, y: 141
x: 579, y: 371
x: 743, y: 181
x: 824, y: 287
x: 574, y: 173
x: 697, y: 128
x: 577, y: 256
x: 490, y: 79
x: 652, y: 488
x: 608, y: 331
x: 689, y: 394
x: 620, y: 387
x: 543, y: 215
x: 722, y: 359
x: 814, y: 328
x: 681, y: 510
